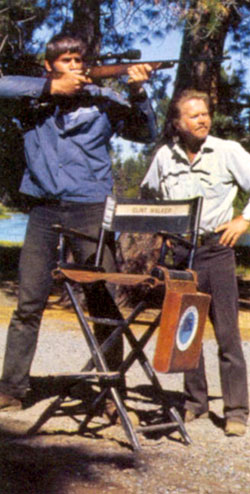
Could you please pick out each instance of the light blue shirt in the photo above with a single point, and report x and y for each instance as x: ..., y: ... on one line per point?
x: 216, y: 173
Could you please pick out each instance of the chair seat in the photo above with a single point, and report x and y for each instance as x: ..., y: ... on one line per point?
x: 86, y: 276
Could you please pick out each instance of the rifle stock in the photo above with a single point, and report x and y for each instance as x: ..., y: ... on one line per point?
x: 117, y: 70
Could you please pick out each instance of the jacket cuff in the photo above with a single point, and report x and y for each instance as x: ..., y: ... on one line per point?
x: 46, y: 88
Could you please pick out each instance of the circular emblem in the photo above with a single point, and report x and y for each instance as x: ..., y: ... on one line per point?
x: 187, y: 328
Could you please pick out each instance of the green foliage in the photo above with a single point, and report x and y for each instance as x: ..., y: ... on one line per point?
x: 115, y: 25
x: 231, y: 120
x: 231, y: 116
x: 19, y: 19
x: 3, y: 212
x: 129, y: 174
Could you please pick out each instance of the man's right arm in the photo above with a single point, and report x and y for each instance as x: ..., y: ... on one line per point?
x: 15, y: 87
x: 68, y: 84
x: 37, y: 87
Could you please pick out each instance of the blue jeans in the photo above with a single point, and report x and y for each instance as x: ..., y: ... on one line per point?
x: 38, y: 259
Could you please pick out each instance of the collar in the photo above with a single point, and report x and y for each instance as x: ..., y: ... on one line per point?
x: 180, y: 154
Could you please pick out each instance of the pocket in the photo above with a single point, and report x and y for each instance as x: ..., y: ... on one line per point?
x: 182, y: 186
x: 213, y: 186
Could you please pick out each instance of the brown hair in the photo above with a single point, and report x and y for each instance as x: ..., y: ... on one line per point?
x: 174, y: 108
x: 61, y: 43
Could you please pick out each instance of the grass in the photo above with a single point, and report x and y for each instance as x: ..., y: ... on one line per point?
x: 4, y: 212
x: 9, y: 245
x: 243, y: 271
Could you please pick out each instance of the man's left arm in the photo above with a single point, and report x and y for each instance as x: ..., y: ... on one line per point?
x: 232, y: 230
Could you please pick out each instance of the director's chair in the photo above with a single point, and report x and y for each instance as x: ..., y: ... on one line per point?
x: 181, y: 315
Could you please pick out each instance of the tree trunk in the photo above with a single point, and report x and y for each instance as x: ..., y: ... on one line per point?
x: 201, y: 39
x: 86, y: 23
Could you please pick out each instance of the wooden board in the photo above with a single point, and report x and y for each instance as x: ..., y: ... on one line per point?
x: 181, y: 330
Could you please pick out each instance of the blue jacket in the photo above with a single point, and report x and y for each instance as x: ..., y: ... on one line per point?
x: 66, y: 140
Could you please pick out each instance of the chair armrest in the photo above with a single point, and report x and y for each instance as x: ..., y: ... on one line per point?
x: 177, y: 238
x: 80, y: 267
x: 71, y: 232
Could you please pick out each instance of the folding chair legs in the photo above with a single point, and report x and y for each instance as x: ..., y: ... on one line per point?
x: 100, y: 364
x: 180, y: 425
x: 103, y: 374
x: 122, y: 412
x: 137, y: 353
x: 98, y: 361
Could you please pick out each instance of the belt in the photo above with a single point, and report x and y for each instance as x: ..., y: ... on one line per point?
x: 52, y: 202
x: 209, y: 238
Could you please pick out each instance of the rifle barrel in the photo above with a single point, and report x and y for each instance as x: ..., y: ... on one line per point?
x: 116, y: 70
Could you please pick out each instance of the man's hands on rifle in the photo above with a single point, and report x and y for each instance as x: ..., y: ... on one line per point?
x: 68, y: 83
x: 138, y: 74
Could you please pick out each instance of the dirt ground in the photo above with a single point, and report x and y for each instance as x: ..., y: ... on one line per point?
x: 57, y: 460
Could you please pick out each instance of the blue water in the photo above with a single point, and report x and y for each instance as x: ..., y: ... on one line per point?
x: 13, y: 229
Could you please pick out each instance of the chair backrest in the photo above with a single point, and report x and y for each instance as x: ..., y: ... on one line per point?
x: 170, y: 218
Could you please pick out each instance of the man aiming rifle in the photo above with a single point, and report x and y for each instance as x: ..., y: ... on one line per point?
x: 68, y: 175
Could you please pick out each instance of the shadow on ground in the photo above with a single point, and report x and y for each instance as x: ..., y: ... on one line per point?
x: 31, y: 467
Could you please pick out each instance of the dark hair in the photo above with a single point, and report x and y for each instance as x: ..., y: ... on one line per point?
x: 63, y: 43
x: 175, y: 105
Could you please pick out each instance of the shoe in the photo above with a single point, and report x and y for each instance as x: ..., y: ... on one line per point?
x: 235, y: 428
x: 9, y: 403
x: 189, y: 416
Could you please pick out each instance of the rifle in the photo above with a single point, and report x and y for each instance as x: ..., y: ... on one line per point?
x: 117, y: 69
